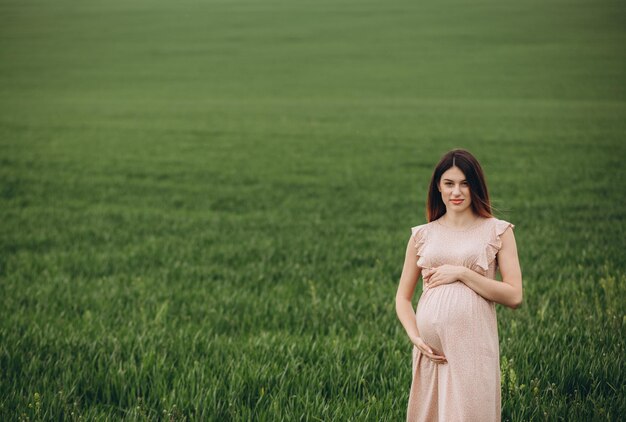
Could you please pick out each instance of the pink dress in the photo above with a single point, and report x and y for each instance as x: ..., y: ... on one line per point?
x: 457, y: 322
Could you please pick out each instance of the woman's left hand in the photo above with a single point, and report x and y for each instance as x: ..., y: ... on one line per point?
x: 444, y: 274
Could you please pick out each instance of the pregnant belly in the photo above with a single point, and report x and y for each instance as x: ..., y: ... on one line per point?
x: 453, y: 313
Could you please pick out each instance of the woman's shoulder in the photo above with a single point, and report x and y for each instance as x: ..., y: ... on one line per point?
x: 497, y: 228
x: 419, y: 234
x: 421, y: 229
x: 500, y: 225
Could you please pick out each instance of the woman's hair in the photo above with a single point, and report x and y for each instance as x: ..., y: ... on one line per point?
x: 470, y: 167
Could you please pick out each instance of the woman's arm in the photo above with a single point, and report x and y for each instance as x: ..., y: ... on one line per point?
x: 406, y: 288
x: 508, y: 292
x: 404, y: 308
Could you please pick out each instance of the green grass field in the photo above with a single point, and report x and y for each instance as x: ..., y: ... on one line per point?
x: 204, y: 205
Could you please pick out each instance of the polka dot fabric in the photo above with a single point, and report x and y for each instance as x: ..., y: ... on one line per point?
x: 460, y: 324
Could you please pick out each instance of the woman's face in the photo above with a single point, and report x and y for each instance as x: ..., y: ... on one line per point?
x: 455, y: 190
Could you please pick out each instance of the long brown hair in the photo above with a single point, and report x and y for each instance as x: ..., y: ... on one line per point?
x: 470, y: 167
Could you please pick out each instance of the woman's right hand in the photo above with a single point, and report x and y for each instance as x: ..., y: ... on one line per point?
x: 428, y: 351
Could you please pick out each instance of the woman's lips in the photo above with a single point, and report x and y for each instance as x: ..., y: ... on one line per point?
x: 456, y: 201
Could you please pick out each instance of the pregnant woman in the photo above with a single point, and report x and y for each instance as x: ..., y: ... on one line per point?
x: 456, y: 361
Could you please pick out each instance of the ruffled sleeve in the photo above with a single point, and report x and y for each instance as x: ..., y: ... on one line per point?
x: 419, y: 233
x: 494, y: 244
